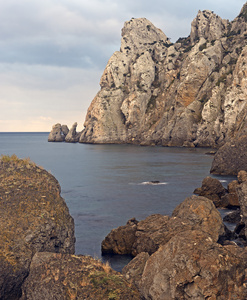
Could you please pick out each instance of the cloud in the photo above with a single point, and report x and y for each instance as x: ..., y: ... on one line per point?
x: 53, y: 52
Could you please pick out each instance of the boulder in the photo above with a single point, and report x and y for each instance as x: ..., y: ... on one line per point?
x: 73, y: 136
x: 121, y: 239
x: 192, y: 266
x: 147, y: 235
x: 34, y: 217
x: 58, y: 133
x: 64, y: 276
x: 231, y: 157
x: 213, y: 189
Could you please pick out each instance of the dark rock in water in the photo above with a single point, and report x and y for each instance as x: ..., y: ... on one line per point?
x: 34, y: 217
x: 232, y: 217
x: 64, y: 276
x: 73, y: 136
x: 58, y: 133
x: 231, y: 157
x: 192, y: 266
x: 212, y: 189
x: 148, y: 235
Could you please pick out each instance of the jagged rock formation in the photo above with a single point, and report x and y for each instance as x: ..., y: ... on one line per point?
x: 73, y: 136
x: 190, y: 93
x: 58, y: 133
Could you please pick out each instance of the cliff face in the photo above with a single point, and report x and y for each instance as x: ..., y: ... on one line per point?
x: 191, y: 93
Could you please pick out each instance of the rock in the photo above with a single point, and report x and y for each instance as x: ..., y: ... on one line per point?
x: 148, y: 235
x: 190, y: 93
x: 120, y: 240
x: 73, y: 136
x: 232, y: 217
x: 133, y: 271
x: 192, y: 266
x: 213, y: 189
x: 231, y: 158
x: 34, y: 217
x: 242, y: 194
x: 64, y: 276
x: 58, y: 133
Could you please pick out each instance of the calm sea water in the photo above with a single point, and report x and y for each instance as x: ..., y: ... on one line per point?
x: 104, y: 185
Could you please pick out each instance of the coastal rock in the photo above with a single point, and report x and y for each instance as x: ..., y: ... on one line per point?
x: 242, y: 193
x: 156, y: 230
x: 190, y: 93
x: 133, y: 271
x: 213, y: 189
x: 72, y: 136
x: 192, y: 266
x: 121, y: 239
x: 231, y: 158
x: 34, y: 217
x: 233, y: 217
x: 64, y: 276
x: 58, y: 133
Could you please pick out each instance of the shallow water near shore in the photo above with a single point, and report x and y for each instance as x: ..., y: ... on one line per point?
x: 106, y: 185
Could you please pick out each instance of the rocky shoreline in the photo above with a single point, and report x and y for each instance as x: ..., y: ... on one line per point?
x: 190, y: 254
x: 37, y: 246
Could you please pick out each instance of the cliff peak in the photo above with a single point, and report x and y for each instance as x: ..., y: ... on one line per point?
x: 207, y: 25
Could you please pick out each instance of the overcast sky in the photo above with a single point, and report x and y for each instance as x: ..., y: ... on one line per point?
x: 53, y: 52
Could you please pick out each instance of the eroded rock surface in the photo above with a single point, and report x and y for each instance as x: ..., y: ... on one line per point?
x: 34, y: 217
x: 192, y: 266
x: 64, y: 276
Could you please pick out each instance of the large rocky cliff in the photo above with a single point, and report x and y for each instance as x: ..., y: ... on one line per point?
x: 190, y: 93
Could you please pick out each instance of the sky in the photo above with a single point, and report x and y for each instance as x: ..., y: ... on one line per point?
x: 53, y: 52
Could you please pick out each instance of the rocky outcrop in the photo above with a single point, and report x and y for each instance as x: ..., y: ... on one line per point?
x: 231, y: 157
x: 58, y: 133
x: 190, y: 93
x: 34, y: 217
x: 64, y: 276
x: 156, y: 230
x: 213, y: 189
x: 72, y: 136
x: 192, y: 266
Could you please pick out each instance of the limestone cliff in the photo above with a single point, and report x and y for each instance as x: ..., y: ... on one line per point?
x: 190, y: 93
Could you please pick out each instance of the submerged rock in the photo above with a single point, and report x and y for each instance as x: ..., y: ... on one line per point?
x: 34, y: 217
x: 64, y: 276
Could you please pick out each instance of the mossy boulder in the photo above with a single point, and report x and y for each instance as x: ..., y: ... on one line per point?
x: 34, y: 217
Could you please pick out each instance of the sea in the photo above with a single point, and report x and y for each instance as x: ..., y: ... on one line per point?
x: 106, y: 185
